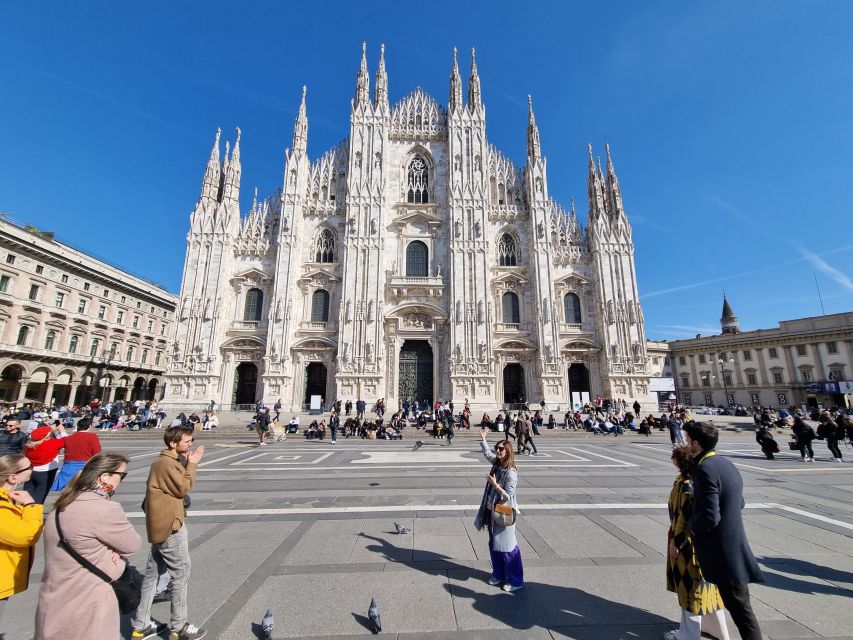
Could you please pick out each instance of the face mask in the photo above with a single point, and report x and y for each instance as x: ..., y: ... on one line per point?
x: 105, y: 489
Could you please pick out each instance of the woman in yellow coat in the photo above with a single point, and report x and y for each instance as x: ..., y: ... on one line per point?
x: 700, y: 601
x: 21, y: 521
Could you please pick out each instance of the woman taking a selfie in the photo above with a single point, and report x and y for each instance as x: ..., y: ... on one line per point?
x: 498, y: 510
x: 21, y: 520
x: 73, y: 601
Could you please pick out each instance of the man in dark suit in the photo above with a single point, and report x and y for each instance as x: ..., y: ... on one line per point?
x: 720, y: 539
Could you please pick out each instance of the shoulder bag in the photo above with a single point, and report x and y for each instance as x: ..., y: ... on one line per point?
x: 127, y: 587
x: 503, y: 515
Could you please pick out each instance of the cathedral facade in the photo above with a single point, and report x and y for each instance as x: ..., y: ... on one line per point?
x: 412, y: 261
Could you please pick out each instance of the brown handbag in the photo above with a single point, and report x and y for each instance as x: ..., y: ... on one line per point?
x: 503, y: 515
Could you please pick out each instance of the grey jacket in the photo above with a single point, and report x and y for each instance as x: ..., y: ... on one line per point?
x: 504, y: 537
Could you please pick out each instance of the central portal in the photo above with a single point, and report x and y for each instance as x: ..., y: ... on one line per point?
x: 416, y: 372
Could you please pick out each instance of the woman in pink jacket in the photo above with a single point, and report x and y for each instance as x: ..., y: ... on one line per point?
x: 73, y: 601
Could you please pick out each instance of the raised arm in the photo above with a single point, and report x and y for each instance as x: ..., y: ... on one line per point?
x: 484, y: 446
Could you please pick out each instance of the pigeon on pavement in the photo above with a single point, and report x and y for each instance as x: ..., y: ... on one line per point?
x: 267, y: 624
x: 373, y: 616
x: 401, y: 529
x: 418, y: 445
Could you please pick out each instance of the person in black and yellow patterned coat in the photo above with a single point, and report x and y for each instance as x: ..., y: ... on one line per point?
x: 700, y: 601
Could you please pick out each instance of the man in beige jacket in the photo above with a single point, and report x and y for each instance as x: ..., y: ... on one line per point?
x: 169, y: 481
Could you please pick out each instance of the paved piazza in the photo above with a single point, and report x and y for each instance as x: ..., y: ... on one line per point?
x: 306, y: 529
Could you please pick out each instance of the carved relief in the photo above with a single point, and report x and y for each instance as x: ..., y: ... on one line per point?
x: 417, y: 320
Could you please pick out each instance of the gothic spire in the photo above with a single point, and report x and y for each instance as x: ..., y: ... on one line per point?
x: 475, y: 96
x: 381, y: 90
x: 613, y: 188
x: 362, y: 86
x: 728, y: 321
x: 231, y: 185
x: 594, y: 186
x: 455, y: 86
x: 300, y: 126
x: 212, y: 175
x: 534, y: 150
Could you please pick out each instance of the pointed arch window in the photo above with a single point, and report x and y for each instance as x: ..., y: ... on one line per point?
x: 320, y: 306
x: 509, y: 304
x: 507, y: 251
x: 572, y: 308
x: 417, y: 186
x: 254, y: 304
x: 417, y: 260
x: 324, y: 248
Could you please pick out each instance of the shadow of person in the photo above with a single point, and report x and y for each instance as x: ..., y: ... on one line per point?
x: 807, y: 570
x: 554, y: 607
x: 570, y: 610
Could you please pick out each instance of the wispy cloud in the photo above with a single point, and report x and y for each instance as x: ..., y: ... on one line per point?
x: 692, y: 328
x: 639, y: 219
x: 824, y: 267
x: 772, y: 267
x: 718, y: 201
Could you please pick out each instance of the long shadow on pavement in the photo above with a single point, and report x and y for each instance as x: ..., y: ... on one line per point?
x: 570, y: 610
x: 806, y: 569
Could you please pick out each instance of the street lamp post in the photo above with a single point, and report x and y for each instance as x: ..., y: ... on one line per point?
x: 106, y: 359
x: 723, y: 371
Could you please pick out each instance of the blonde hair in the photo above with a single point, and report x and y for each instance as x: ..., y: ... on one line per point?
x: 9, y: 465
x: 87, y: 478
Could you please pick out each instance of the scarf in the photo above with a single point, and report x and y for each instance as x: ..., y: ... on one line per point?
x: 490, y: 496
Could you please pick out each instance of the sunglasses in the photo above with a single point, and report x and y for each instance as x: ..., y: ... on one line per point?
x: 22, y: 470
x: 500, y: 449
x: 122, y: 474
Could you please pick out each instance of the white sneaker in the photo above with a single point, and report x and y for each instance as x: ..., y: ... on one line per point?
x: 838, y: 460
x: 811, y: 459
x: 508, y: 588
x: 334, y: 442
x: 804, y: 459
x: 263, y: 444
x: 494, y: 581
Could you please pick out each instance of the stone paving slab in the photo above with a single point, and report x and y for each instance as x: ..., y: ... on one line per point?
x: 577, y: 537
x: 336, y: 604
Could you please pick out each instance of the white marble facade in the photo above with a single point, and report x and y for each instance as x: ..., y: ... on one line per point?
x: 413, y: 259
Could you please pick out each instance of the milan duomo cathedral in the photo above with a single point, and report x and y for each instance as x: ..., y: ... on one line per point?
x: 412, y: 261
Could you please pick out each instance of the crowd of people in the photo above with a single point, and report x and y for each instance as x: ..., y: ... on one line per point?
x: 88, y: 537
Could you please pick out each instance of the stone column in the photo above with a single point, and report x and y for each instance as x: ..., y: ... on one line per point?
x: 48, y: 392
x: 112, y: 394
x: 22, y: 390
x: 227, y: 381
x: 822, y: 374
x: 72, y: 392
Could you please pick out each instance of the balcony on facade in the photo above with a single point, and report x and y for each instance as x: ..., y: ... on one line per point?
x: 318, y: 326
x: 506, y: 213
x: 247, y: 326
x: 429, y: 286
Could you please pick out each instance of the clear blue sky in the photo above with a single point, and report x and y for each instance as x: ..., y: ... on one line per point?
x: 730, y: 124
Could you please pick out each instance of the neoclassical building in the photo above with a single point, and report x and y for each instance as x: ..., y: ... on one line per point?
x: 806, y: 361
x: 412, y: 260
x: 73, y: 327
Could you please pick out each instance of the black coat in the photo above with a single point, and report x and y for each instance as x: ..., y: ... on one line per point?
x: 720, y: 539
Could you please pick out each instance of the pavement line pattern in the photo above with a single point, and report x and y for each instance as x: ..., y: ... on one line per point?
x: 817, y: 516
x: 575, y: 506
